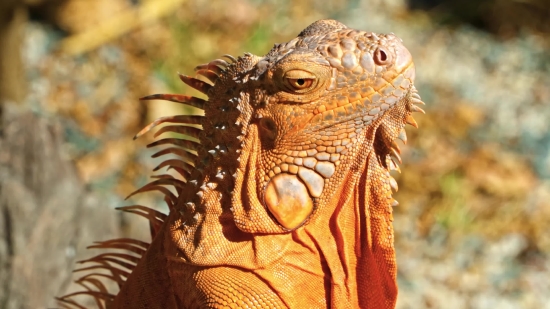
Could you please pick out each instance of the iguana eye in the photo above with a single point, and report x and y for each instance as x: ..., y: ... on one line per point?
x: 300, y: 83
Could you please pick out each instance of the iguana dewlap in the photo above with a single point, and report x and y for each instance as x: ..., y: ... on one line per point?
x: 281, y: 196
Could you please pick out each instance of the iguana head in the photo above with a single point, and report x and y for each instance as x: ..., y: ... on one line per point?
x: 284, y: 133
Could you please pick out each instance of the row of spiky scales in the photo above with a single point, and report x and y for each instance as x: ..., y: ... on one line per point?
x: 120, y: 265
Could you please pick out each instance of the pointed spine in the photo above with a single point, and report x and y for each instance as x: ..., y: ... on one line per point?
x: 195, y: 83
x: 176, y: 151
x: 189, y: 131
x: 176, y: 98
x: 182, y: 119
x: 187, y: 144
x: 210, y: 75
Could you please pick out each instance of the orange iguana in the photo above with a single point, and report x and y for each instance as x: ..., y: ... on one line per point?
x: 283, y: 197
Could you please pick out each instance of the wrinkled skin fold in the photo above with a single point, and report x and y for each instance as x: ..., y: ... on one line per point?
x: 282, y: 198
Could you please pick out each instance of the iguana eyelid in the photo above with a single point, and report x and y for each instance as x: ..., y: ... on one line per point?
x: 299, y: 74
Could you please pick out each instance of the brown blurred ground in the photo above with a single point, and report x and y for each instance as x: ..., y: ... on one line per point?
x: 471, y: 228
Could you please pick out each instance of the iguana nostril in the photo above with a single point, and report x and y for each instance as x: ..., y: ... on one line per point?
x: 382, y: 56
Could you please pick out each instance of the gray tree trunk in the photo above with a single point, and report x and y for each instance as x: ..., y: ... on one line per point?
x: 46, y: 215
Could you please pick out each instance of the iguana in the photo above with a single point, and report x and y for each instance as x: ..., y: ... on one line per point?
x: 282, y: 196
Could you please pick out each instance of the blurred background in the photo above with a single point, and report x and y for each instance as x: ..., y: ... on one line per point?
x: 472, y: 227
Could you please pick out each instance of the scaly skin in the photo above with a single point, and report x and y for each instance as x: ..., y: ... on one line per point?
x: 286, y: 201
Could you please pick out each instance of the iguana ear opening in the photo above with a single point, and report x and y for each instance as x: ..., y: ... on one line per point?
x: 268, y: 129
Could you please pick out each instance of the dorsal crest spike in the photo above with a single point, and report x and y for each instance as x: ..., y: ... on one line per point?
x: 155, y: 217
x: 130, y: 244
x: 175, y: 163
x: 183, y: 172
x: 118, y: 259
x: 210, y: 75
x: 186, y: 144
x: 97, y: 295
x: 219, y: 62
x: 183, y: 119
x: 195, y: 83
x: 210, y: 67
x: 176, y: 98
x: 173, y: 198
x: 231, y: 58
x: 114, y: 255
x: 189, y: 131
x: 117, y: 273
x: 186, y: 156
x: 163, y: 176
